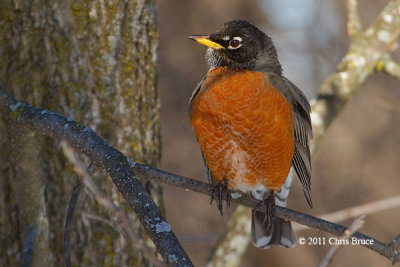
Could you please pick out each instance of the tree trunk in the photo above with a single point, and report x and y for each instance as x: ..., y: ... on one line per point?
x: 93, y: 61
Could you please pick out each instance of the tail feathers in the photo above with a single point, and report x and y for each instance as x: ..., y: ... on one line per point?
x: 279, y: 232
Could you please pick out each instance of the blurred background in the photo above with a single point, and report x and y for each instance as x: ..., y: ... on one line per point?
x: 357, y: 162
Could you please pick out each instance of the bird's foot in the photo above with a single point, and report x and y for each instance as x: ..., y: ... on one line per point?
x: 218, y: 193
x: 269, y: 202
x: 271, y: 210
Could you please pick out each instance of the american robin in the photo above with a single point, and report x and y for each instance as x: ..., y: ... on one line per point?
x: 253, y: 125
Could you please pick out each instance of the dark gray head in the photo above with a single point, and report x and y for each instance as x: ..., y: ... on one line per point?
x: 240, y: 45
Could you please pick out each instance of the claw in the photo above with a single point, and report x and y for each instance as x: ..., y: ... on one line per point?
x: 269, y: 202
x: 218, y: 192
x: 270, y: 214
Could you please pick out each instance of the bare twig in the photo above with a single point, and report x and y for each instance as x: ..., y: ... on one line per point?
x: 110, y: 223
x: 240, y: 233
x: 387, y: 102
x: 71, y: 208
x: 392, y: 68
x: 352, y: 212
x: 29, y: 246
x: 366, y: 55
x: 395, y: 245
x: 67, y: 227
x: 357, y: 224
x: 102, y: 198
x: 354, y: 26
x: 115, y: 225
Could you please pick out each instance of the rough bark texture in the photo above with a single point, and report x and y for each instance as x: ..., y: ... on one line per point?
x: 93, y: 61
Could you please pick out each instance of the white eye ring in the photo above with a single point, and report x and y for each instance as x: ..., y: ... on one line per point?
x: 235, y: 43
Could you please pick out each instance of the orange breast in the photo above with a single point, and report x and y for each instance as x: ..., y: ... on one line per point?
x: 244, y: 127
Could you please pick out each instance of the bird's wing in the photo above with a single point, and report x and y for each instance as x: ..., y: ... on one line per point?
x: 302, y: 130
x: 194, y: 94
x: 210, y: 178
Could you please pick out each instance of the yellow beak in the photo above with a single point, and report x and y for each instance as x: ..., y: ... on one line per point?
x: 205, y: 40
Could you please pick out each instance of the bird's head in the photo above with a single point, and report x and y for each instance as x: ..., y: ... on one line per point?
x: 240, y: 45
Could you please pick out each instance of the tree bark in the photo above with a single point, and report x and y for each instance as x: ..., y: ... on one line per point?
x: 93, y: 61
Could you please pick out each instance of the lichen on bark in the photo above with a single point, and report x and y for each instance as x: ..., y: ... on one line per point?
x: 93, y: 61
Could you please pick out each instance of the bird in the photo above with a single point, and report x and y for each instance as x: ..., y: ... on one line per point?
x: 253, y: 126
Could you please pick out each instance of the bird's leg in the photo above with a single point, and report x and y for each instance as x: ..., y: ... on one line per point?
x: 227, y: 195
x: 270, y: 203
x: 218, y: 192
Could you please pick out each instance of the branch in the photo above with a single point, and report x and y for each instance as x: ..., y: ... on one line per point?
x: 357, y: 224
x: 366, y: 53
x: 123, y: 172
x: 352, y: 212
x: 29, y: 246
x: 114, y: 210
x: 67, y: 227
x: 392, y: 68
x: 335, y: 217
x: 238, y: 230
x: 146, y: 172
x: 353, y: 19
x: 86, y: 141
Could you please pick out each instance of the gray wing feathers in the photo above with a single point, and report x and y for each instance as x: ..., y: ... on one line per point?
x: 302, y: 131
x: 301, y: 164
x: 209, y: 175
x: 198, y: 87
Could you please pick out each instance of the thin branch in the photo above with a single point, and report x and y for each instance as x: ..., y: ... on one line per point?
x: 122, y: 172
x: 29, y: 246
x: 85, y: 140
x: 354, y: 26
x: 67, y: 227
x: 110, y: 223
x: 365, y: 56
x: 146, y: 172
x: 103, y: 200
x: 387, y: 102
x: 335, y: 217
x: 71, y: 208
x: 239, y: 230
x: 355, y: 226
x: 352, y: 212
x: 392, y: 68
x: 395, y: 244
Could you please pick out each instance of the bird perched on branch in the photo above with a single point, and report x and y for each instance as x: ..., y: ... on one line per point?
x: 253, y: 126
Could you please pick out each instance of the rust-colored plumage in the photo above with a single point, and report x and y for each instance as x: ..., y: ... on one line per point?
x: 244, y: 126
x: 253, y: 124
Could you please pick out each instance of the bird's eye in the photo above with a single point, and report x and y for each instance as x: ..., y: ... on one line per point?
x: 235, y: 43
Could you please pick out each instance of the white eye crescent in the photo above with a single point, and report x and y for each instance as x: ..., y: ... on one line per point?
x: 235, y: 43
